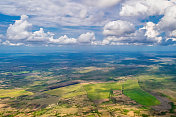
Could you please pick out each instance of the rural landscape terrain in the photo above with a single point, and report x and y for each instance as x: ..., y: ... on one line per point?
x: 79, y: 84
x: 87, y: 58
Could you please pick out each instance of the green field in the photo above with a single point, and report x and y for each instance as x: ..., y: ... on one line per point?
x: 94, y: 91
x: 132, y: 89
x: 156, y: 81
x: 164, y: 84
x: 21, y: 72
x: 101, y: 90
x: 13, y: 93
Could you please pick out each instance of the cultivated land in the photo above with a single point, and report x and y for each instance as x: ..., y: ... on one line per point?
x: 13, y: 93
x: 88, y: 84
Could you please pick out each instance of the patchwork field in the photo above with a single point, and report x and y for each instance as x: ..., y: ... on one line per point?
x: 98, y: 91
x: 88, y: 85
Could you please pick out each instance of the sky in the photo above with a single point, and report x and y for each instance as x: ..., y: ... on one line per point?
x: 56, y: 23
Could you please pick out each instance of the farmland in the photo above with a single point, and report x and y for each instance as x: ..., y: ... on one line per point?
x: 100, y: 90
x: 13, y: 93
x: 132, y: 89
x: 87, y: 84
x: 67, y: 92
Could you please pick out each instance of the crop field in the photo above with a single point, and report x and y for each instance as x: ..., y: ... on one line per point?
x: 96, y: 91
x: 163, y: 84
x: 67, y: 92
x: 86, y: 70
x: 132, y: 89
x: 101, y: 90
x: 13, y: 93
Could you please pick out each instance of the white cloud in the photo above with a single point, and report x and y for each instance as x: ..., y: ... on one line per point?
x: 168, y: 22
x: 18, y: 34
x: 39, y: 36
x: 143, y: 8
x: 63, y: 40
x: 96, y: 43
x: 102, y: 3
x: 20, y: 29
x: 168, y: 25
x: 86, y: 37
x: 61, y: 12
x: 151, y: 32
x: 147, y: 35
x: 118, y: 28
x: 173, y: 34
x: 116, y: 32
x: 11, y: 44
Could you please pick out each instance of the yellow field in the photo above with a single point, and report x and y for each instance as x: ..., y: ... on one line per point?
x: 87, y: 69
x: 67, y: 92
x: 13, y: 93
x: 90, y: 69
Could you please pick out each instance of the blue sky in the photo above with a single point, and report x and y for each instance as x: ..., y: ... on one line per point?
x: 93, y: 23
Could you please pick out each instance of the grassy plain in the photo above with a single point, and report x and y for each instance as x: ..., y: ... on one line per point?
x: 101, y: 90
x: 132, y: 89
x: 159, y: 83
x: 67, y: 92
x: 13, y: 93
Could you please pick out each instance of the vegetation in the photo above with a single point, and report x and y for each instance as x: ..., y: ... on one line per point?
x: 13, y: 93
x: 101, y: 90
x: 87, y: 84
x: 133, y: 90
x: 67, y: 92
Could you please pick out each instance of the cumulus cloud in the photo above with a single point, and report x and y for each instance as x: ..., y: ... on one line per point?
x: 147, y: 35
x: 167, y: 25
x: 105, y: 14
x: 168, y: 22
x: 20, y: 29
x: 118, y: 28
x: 63, y: 40
x: 86, y: 37
x: 19, y: 34
x: 143, y: 8
x: 173, y: 34
x: 61, y: 12
x: 7, y: 42
x: 39, y: 36
x: 151, y: 32
x: 116, y: 33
